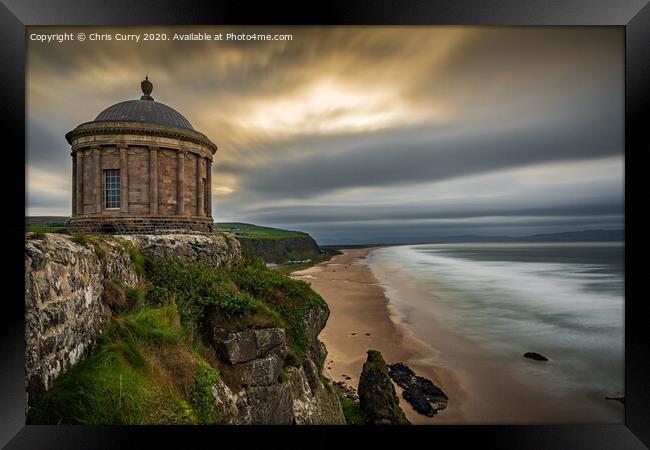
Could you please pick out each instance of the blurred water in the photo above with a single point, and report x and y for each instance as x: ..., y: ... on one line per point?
x: 565, y: 301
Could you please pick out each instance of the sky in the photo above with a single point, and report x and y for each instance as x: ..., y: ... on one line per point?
x: 362, y: 134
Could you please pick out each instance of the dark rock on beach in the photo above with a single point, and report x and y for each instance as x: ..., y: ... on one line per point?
x: 618, y: 399
x: 535, y: 356
x: 378, y: 400
x: 425, y: 397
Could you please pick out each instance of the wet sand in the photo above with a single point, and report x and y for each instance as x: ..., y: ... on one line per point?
x: 480, y: 390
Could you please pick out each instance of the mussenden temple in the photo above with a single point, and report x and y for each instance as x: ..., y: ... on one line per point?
x: 140, y: 167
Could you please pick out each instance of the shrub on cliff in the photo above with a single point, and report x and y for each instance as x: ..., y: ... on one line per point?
x: 291, y: 299
x: 198, y: 290
x: 246, y: 295
x: 144, y: 370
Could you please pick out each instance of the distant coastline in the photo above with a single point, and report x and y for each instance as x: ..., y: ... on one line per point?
x: 617, y: 235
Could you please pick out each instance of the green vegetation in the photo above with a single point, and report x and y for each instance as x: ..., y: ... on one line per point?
x: 201, y: 395
x: 80, y: 238
x: 145, y: 370
x: 150, y: 365
x: 249, y: 231
x: 244, y: 296
x: 351, y: 411
x: 201, y: 293
x: 291, y: 299
x: 136, y: 256
x: 34, y: 228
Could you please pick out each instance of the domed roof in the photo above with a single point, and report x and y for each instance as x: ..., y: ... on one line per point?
x: 144, y: 110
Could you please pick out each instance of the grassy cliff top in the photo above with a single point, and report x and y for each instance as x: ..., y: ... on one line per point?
x: 249, y: 231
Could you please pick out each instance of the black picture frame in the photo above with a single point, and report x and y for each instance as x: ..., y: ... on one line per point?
x: 634, y: 15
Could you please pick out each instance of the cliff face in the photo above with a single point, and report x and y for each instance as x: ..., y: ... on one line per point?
x: 64, y: 285
x: 282, y: 250
x: 216, y: 249
x: 263, y: 395
x: 67, y: 281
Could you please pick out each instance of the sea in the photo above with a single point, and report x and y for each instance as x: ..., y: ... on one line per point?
x: 564, y: 301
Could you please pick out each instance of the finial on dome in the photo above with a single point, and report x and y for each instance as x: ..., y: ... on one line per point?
x: 147, y: 87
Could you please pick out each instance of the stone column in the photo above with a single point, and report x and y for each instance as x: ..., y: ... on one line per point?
x: 208, y: 176
x: 180, y: 183
x: 199, y: 187
x: 153, y: 180
x: 124, y: 178
x: 79, y: 186
x: 97, y: 163
x: 74, y: 184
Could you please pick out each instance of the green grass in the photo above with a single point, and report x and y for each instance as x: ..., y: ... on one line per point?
x: 351, y: 411
x: 145, y: 370
x: 249, y: 231
x: 136, y: 256
x: 33, y: 228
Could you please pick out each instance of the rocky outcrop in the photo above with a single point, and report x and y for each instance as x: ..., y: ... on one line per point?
x: 218, y: 249
x: 64, y: 283
x: 425, y: 397
x: 282, y: 250
x: 264, y: 397
x: 535, y: 356
x: 378, y: 400
x: 257, y: 354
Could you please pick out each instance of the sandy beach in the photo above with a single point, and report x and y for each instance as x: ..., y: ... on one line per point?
x: 361, y: 319
x: 480, y: 387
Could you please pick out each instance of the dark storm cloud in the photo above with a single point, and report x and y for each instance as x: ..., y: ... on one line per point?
x: 324, y: 131
x: 324, y: 214
x: 424, y: 155
x: 47, y: 148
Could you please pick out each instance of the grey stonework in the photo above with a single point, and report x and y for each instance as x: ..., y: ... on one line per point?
x: 138, y: 225
x: 63, y: 310
x: 216, y: 249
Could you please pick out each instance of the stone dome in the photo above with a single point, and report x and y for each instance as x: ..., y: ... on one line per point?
x: 143, y: 110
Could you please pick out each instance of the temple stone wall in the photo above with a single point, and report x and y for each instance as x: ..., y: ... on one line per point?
x: 167, y: 168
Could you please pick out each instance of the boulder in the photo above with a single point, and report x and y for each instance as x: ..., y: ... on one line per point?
x: 535, y: 356
x: 246, y: 345
x: 425, y: 397
x: 378, y: 400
